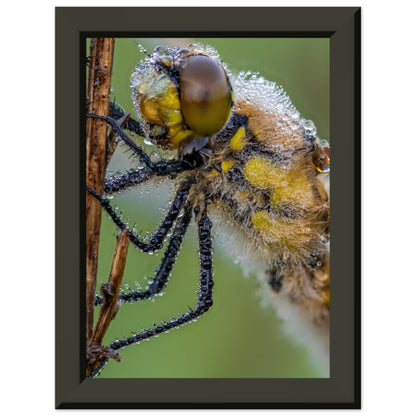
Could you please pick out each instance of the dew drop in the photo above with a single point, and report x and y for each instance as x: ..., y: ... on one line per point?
x: 321, y: 159
x: 142, y: 49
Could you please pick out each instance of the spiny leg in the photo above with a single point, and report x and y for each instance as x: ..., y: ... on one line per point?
x: 159, y: 168
x: 156, y: 240
x: 130, y: 124
x: 162, y: 273
x: 120, y: 183
x: 123, y: 182
x: 115, y: 125
x: 204, y: 294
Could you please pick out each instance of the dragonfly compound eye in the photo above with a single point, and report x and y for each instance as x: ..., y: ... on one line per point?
x: 205, y: 95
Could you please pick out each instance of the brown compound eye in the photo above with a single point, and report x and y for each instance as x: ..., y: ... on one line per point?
x: 205, y: 95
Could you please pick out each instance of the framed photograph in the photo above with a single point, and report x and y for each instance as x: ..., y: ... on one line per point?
x: 192, y: 154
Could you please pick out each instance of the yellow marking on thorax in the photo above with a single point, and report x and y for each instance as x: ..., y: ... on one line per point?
x: 285, y: 185
x: 284, y: 232
x: 242, y: 195
x: 227, y: 164
x: 269, y: 227
x: 213, y: 173
x: 261, y: 173
x: 287, y: 188
x: 238, y: 140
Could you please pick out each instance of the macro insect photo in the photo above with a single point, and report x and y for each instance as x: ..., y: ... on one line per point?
x: 253, y: 175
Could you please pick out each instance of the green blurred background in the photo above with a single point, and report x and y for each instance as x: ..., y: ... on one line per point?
x: 238, y: 337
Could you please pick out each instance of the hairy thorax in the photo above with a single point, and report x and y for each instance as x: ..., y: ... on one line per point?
x: 262, y: 180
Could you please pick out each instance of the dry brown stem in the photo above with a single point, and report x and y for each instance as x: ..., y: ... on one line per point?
x: 100, y: 147
x: 111, y: 289
x: 99, y: 84
x: 97, y: 353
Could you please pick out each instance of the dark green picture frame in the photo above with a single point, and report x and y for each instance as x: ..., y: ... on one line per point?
x: 343, y: 388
